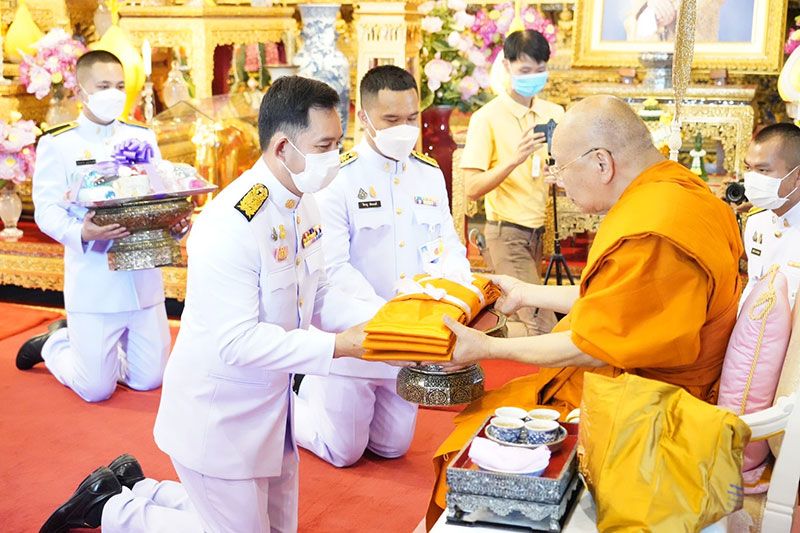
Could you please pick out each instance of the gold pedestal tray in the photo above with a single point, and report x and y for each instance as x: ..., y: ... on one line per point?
x: 150, y: 244
x: 429, y: 385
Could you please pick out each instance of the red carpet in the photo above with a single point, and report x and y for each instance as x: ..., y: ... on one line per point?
x: 15, y: 319
x: 50, y: 439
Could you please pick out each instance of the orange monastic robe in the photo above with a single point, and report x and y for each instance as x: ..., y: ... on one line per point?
x: 658, y: 298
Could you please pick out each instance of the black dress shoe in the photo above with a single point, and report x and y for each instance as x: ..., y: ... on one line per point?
x: 30, y: 353
x: 57, y: 325
x: 127, y: 469
x: 85, y: 507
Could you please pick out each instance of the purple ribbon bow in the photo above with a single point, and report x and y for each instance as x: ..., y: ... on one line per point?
x: 133, y: 151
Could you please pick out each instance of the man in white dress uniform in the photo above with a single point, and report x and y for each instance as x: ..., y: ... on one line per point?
x: 772, y: 185
x: 386, y: 218
x: 112, y: 316
x: 258, y: 308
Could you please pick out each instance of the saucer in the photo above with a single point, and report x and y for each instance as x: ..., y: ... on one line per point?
x: 554, y: 446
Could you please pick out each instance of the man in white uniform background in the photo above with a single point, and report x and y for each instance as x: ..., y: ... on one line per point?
x: 111, y: 315
x: 255, y: 284
x: 386, y: 218
x: 772, y: 184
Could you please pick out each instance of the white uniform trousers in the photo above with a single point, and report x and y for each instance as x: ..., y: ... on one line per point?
x: 338, y: 417
x: 203, y: 504
x: 96, y: 350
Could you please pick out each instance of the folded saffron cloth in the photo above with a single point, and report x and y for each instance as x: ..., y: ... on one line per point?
x: 410, y: 327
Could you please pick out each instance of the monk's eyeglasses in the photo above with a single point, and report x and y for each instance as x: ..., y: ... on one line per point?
x: 556, y: 170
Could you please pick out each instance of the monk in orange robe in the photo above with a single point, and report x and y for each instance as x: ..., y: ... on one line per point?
x: 659, y: 294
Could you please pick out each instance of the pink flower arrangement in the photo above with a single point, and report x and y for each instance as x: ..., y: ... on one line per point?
x: 454, y: 69
x: 492, y: 23
x: 54, y: 63
x: 17, y: 151
x: 793, y: 40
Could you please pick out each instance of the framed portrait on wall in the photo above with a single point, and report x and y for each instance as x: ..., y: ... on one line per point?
x: 740, y: 35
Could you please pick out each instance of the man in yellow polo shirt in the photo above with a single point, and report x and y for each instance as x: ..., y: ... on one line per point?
x: 504, y: 161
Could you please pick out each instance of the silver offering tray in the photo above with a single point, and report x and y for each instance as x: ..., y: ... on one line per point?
x: 429, y: 385
x: 154, y: 197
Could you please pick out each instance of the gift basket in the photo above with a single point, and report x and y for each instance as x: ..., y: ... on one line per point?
x: 144, y: 195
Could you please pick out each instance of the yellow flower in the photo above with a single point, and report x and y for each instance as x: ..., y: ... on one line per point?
x: 795, y: 35
x: 15, y: 116
x: 494, y: 14
x: 666, y: 118
x: 10, y: 161
x: 651, y: 102
x: 549, y: 29
x: 56, y: 77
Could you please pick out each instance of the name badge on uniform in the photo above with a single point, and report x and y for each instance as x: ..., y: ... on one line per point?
x: 83, y: 162
x: 432, y: 251
x: 426, y: 200
x: 370, y: 204
x: 536, y: 166
x: 311, y: 236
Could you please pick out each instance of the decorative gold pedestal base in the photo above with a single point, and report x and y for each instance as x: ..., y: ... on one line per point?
x: 150, y: 244
x: 430, y: 386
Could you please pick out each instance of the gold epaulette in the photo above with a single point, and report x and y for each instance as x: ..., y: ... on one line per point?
x: 252, y: 201
x: 61, y: 128
x: 428, y: 160
x: 755, y: 211
x: 347, y: 158
x: 133, y: 123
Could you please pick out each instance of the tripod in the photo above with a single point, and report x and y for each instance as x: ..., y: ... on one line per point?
x: 557, y: 261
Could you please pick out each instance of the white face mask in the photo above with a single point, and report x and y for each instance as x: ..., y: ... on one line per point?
x: 395, y: 142
x: 319, y: 171
x: 107, y: 105
x: 762, y: 190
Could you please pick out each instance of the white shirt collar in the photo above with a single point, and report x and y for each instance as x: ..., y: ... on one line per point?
x: 376, y: 160
x: 99, y: 130
x: 285, y: 200
x: 793, y: 216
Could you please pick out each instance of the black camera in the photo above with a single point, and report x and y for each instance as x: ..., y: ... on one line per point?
x: 734, y: 193
x: 548, y: 130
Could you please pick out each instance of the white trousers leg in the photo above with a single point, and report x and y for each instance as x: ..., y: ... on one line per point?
x: 153, y: 507
x: 338, y: 417
x: 85, y: 356
x: 258, y: 505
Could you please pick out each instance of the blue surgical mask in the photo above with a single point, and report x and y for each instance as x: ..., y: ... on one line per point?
x: 529, y: 85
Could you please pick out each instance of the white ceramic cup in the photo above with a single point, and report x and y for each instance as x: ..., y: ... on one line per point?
x: 543, y: 414
x: 541, y: 431
x: 511, y: 412
x: 506, y: 428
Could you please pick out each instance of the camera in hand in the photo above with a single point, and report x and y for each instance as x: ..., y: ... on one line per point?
x: 548, y: 130
x: 734, y: 193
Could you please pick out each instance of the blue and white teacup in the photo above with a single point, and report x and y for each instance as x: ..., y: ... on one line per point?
x: 506, y: 429
x: 542, y: 431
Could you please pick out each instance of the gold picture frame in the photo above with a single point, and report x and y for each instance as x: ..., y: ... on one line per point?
x: 613, y: 33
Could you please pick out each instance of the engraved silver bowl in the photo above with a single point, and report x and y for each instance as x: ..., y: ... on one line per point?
x: 429, y: 385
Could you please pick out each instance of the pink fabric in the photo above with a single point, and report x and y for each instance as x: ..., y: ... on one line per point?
x: 755, y: 354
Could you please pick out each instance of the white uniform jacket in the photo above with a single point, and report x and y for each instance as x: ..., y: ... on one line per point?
x: 773, y: 240
x: 384, y: 220
x: 254, y: 287
x: 89, y: 285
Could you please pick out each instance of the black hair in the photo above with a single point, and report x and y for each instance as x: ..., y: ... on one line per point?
x: 93, y: 57
x: 386, y: 77
x: 526, y: 42
x: 789, y: 136
x: 287, y: 102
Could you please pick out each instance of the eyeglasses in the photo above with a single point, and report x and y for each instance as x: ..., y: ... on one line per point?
x: 556, y: 170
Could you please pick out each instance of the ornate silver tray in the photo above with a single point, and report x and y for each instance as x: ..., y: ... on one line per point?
x: 464, y: 477
x: 429, y: 385
x: 554, y: 446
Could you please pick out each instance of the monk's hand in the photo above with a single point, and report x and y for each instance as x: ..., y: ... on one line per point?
x: 350, y: 342
x: 513, y: 291
x: 529, y: 143
x: 471, y: 345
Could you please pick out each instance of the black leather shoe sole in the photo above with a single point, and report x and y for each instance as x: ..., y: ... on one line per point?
x: 77, y: 514
x: 30, y: 353
x: 127, y: 469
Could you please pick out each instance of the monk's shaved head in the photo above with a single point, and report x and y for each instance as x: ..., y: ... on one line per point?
x: 600, y: 146
x: 607, y: 122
